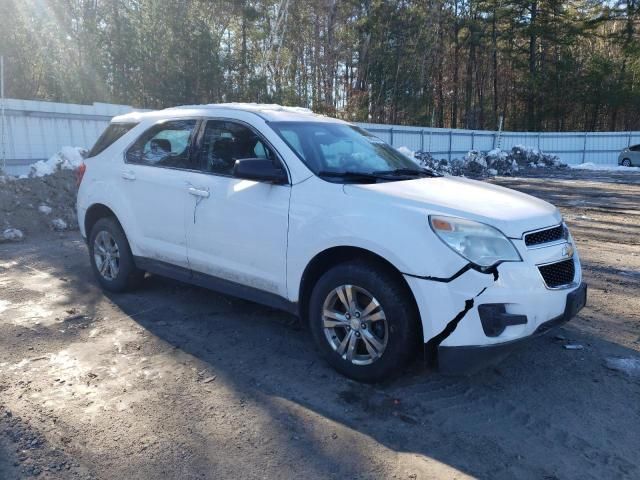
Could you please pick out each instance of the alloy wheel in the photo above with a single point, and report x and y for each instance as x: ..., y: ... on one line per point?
x: 106, y: 255
x: 355, y: 324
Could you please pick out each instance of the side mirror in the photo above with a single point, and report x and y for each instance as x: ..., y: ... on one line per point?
x: 259, y: 169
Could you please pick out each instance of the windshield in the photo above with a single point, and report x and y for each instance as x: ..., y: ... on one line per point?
x: 334, y: 150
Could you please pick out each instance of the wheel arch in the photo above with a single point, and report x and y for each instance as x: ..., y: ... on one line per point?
x: 333, y: 256
x: 94, y: 213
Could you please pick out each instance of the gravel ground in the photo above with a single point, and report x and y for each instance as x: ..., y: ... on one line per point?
x: 38, y: 205
x: 174, y: 381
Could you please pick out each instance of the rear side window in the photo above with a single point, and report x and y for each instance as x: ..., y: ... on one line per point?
x: 109, y: 136
x: 167, y: 144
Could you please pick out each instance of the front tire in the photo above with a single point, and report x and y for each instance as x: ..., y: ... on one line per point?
x: 626, y: 162
x: 363, y: 321
x: 111, y: 258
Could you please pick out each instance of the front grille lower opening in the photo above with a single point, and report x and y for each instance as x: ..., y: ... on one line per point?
x: 558, y: 274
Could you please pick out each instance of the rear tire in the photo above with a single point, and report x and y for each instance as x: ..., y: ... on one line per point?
x: 376, y: 336
x: 111, y: 259
x: 626, y: 162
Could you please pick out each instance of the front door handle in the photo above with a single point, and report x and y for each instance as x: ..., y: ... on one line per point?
x: 199, y: 192
x: 128, y: 175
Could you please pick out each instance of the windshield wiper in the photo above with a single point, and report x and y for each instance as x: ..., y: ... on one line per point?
x: 355, y: 176
x: 422, y: 172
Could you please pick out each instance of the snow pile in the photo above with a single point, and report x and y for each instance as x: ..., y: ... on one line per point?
x: 406, y: 152
x: 532, y: 157
x: 483, y: 164
x: 68, y: 158
x: 604, y: 168
x: 628, y: 365
x: 42, y: 201
x: 12, y: 235
x: 38, y: 205
x: 59, y: 225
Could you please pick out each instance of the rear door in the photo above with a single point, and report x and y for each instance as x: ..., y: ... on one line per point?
x: 239, y: 232
x: 156, y: 180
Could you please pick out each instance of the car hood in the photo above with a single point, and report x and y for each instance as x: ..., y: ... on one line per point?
x: 512, y: 212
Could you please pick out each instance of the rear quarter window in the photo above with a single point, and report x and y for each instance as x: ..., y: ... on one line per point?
x: 109, y: 136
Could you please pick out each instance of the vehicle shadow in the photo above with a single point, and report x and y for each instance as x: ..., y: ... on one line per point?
x: 530, y: 412
x: 9, y: 463
x: 25, y: 452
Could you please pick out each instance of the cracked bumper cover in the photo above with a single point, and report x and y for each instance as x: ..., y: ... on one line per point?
x: 457, y: 360
x: 514, y: 293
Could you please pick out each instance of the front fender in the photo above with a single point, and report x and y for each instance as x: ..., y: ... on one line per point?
x: 322, y: 216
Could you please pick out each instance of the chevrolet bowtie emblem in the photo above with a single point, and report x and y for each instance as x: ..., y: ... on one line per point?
x: 567, y: 250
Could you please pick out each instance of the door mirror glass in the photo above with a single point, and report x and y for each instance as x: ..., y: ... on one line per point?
x: 259, y: 169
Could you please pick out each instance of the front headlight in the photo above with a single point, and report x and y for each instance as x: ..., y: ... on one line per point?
x: 481, y: 244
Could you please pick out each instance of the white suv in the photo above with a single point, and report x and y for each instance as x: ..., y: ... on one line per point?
x: 317, y: 217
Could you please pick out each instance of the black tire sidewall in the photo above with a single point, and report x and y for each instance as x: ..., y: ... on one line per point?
x: 626, y: 162
x: 128, y: 271
x: 399, y: 310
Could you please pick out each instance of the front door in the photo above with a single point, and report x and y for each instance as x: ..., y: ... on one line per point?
x: 239, y: 231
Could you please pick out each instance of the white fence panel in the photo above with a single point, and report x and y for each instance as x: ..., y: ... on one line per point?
x: 35, y: 130
x: 572, y: 147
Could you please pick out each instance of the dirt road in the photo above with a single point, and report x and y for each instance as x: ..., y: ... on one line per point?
x: 174, y: 381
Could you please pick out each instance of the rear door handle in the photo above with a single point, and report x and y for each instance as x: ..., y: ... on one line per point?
x: 198, y: 192
x: 128, y: 175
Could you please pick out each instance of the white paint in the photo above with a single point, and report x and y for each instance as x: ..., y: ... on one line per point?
x: 264, y: 236
x: 511, y: 212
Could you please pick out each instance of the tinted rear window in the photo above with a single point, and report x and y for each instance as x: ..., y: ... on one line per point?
x: 110, y: 135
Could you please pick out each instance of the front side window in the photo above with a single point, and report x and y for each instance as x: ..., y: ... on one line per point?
x: 114, y: 132
x: 224, y: 142
x: 333, y: 150
x: 167, y: 144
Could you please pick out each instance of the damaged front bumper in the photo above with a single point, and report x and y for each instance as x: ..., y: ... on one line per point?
x: 464, y: 360
x: 474, y: 317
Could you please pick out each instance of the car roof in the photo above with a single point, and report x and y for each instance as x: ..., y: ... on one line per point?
x: 268, y: 112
